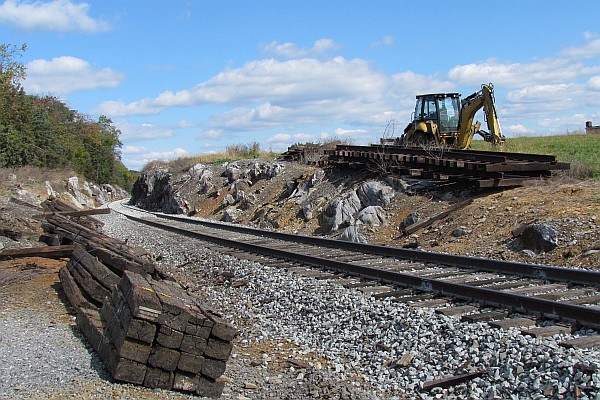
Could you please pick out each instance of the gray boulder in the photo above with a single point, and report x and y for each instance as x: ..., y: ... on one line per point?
x: 374, y: 193
x: 459, y: 231
x: 352, y: 234
x: 301, y: 191
x: 51, y: 192
x: 372, y: 215
x: 539, y: 237
x: 228, y: 200
x: 74, y: 190
x: 197, y: 170
x: 341, y: 210
x: 154, y: 191
x: 260, y: 171
x: 202, y: 175
x: 233, y: 172
x: 231, y: 214
x: 411, y: 219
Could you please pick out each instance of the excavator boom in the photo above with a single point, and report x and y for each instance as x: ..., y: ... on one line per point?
x: 469, y: 107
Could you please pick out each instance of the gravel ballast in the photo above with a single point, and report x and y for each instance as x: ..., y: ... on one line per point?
x: 307, y: 338
x: 360, y: 340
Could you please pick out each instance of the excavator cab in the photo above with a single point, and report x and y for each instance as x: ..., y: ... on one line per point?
x: 441, y: 108
x: 438, y: 114
x: 444, y: 119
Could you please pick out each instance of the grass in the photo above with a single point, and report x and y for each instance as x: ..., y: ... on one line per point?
x: 581, y: 151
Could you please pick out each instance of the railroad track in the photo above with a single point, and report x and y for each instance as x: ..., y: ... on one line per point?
x: 564, y: 295
x: 483, y: 168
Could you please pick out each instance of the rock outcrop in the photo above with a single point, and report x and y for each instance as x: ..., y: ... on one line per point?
x: 154, y: 191
x: 363, y: 204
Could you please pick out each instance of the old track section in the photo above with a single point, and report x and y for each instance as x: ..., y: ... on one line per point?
x: 483, y: 168
x: 552, y: 292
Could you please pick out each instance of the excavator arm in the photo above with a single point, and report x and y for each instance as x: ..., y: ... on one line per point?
x: 470, y: 105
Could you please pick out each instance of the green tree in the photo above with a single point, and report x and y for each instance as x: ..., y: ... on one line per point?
x: 12, y: 72
x: 43, y: 131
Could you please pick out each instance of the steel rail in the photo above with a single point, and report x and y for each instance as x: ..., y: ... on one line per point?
x: 549, y: 308
x: 570, y: 275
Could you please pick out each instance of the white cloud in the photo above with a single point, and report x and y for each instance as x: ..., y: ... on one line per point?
x: 143, y: 158
x: 133, y: 149
x: 516, y: 130
x: 212, y: 133
x: 349, y: 132
x: 67, y: 74
x: 291, y: 50
x: 520, y: 74
x: 594, y: 83
x: 185, y: 124
x: 277, y: 86
x: 590, y: 49
x: 289, y: 138
x: 144, y: 131
x: 57, y: 15
x: 545, y: 93
x: 563, y: 123
x: 269, y: 94
x: 385, y: 41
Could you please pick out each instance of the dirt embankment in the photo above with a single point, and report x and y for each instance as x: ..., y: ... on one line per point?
x: 295, y: 197
x: 301, y: 199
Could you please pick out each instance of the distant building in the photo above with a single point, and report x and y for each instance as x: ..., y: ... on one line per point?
x: 591, y: 130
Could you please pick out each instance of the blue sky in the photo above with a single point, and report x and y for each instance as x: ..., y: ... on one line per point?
x: 189, y: 77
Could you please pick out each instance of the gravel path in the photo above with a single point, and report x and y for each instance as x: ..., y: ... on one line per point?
x: 302, y: 338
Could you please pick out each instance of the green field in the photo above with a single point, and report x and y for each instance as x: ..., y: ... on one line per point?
x: 582, y: 151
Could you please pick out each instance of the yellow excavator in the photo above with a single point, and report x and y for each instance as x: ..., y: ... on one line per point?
x: 444, y: 119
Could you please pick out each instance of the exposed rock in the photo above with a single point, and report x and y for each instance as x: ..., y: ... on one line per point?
x: 197, y: 170
x: 302, y: 191
x: 228, y: 200
x: 539, y: 237
x: 241, y: 185
x: 341, y: 210
x: 460, y: 231
x: 51, y: 192
x: 372, y: 215
x: 232, y: 172
x: 154, y: 191
x: 105, y: 193
x: 203, y: 178
x: 352, y: 234
x: 527, y: 253
x: 374, y: 193
x: 411, y: 219
x: 247, y: 201
x: 231, y: 214
x: 79, y: 198
x: 307, y: 211
x: 265, y: 171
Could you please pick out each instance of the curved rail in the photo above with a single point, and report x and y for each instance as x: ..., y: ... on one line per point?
x: 570, y: 275
x: 550, y: 308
